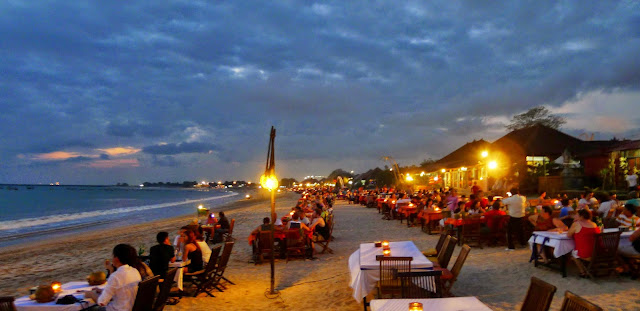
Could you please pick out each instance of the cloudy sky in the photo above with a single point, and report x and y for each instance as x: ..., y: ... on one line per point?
x: 101, y: 92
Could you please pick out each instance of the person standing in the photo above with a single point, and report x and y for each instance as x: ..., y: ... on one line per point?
x: 515, y: 205
x: 632, y: 180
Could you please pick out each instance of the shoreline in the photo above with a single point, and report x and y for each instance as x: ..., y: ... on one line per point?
x: 72, y: 257
x: 88, y: 234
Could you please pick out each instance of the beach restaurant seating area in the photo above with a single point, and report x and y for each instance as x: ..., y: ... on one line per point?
x: 194, y: 269
x: 401, y: 276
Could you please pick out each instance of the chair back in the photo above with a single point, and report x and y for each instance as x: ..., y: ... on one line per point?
x: 610, y: 222
x: 224, y: 258
x: 389, y: 269
x: 165, y: 290
x: 445, y: 256
x: 605, y: 253
x: 446, y: 214
x: 264, y: 242
x: 539, y: 295
x: 213, y: 260
x: 462, y: 257
x: 146, y: 294
x: 443, y: 237
x: 573, y: 302
x: 294, y: 238
x: 7, y: 304
x: 231, y: 225
x: 423, y: 284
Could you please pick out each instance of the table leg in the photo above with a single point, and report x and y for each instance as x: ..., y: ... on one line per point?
x: 365, y: 304
x: 535, y: 253
x: 563, y: 265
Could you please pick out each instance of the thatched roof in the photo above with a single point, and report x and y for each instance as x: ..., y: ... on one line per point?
x: 537, y: 140
x: 466, y: 155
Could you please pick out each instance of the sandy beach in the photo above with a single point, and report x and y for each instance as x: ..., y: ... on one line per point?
x: 498, y: 278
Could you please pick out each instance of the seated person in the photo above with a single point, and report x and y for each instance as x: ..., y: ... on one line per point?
x: 583, y: 232
x: 122, y: 286
x: 633, y: 249
x: 295, y: 223
x: 192, y: 252
x: 475, y: 208
x: 224, y: 228
x: 204, y: 247
x: 211, y: 219
x: 628, y: 216
x: 609, y: 206
x: 319, y: 226
x: 544, y: 221
x: 494, y: 211
x: 161, y: 254
x: 564, y: 216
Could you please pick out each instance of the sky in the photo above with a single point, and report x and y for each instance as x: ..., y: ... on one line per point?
x: 100, y: 92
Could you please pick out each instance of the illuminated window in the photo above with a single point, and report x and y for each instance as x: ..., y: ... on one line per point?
x: 533, y: 161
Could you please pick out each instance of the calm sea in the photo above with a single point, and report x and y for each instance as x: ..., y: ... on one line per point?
x: 39, y: 212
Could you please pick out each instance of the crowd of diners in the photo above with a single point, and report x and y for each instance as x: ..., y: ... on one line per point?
x: 581, y: 218
x: 126, y: 268
x: 311, y: 216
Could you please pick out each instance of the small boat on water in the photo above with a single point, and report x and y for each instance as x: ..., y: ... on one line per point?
x: 30, y: 187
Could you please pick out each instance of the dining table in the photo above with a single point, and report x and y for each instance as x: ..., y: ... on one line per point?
x: 365, y: 269
x: 563, y: 245
x: 76, y: 289
x: 432, y: 304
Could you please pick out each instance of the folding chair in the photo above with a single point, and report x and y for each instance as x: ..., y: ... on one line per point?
x: 605, y: 255
x: 146, y: 294
x: 450, y: 277
x: 165, y: 290
x: 203, y: 279
x: 228, y: 236
x: 324, y: 243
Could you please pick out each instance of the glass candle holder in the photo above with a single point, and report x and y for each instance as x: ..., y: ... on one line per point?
x: 385, y: 243
x: 386, y: 252
x: 415, y: 306
x: 56, y: 286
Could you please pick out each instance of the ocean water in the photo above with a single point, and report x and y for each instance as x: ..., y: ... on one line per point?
x: 50, y: 211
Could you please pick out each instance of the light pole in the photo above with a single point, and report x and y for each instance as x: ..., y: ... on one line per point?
x: 269, y: 181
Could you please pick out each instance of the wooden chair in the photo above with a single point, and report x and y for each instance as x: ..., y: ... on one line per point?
x: 386, y: 212
x: 222, y: 266
x: 435, y: 251
x: 605, y: 255
x: 203, y: 279
x: 634, y: 265
x: 264, y: 244
x: 539, y: 295
x: 389, y: 283
x: 610, y: 222
x: 470, y: 231
x: 423, y: 284
x: 445, y: 256
x: 146, y: 294
x: 296, y: 243
x: 227, y: 237
x: 325, y: 243
x: 6, y: 304
x: 449, y: 277
x: 498, y: 230
x: 165, y: 290
x: 573, y: 302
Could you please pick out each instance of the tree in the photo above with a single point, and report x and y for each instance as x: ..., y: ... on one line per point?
x: 536, y: 115
x: 288, y: 182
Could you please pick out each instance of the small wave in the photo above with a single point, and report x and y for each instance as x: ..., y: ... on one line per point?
x: 32, y: 222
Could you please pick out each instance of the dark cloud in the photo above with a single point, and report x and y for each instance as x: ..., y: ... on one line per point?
x: 173, y: 149
x: 169, y: 161
x: 343, y: 82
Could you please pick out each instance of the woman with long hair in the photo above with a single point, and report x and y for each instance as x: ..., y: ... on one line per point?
x: 192, y: 252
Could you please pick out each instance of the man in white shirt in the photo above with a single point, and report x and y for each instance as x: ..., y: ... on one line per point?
x: 122, y: 285
x: 632, y: 181
x: 609, y: 206
x: 587, y: 201
x: 515, y: 205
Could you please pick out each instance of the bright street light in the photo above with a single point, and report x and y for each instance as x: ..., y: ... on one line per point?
x: 484, y: 154
x: 493, y: 165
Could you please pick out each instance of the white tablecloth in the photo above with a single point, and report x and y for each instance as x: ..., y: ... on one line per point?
x: 563, y: 244
x: 179, y: 274
x: 432, y: 304
x: 71, y: 288
x: 365, y: 270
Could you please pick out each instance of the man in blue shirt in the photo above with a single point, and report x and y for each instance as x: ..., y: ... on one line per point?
x: 564, y: 213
